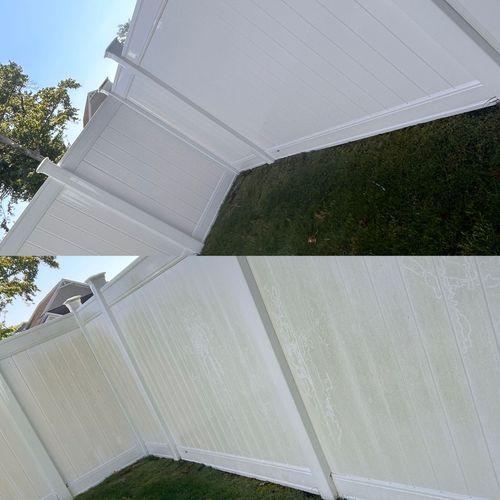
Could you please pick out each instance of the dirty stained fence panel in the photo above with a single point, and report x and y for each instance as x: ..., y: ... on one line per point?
x: 397, y: 362
x: 394, y: 360
x: 207, y: 359
x: 60, y: 386
x: 206, y: 90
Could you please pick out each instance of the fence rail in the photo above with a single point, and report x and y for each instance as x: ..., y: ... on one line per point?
x: 367, y: 378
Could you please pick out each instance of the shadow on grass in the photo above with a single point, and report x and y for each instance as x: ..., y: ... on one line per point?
x: 428, y: 189
x: 155, y: 479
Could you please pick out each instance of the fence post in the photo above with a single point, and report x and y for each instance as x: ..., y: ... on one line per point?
x: 33, y: 442
x: 276, y: 360
x: 114, y: 52
x: 96, y: 283
x: 73, y: 304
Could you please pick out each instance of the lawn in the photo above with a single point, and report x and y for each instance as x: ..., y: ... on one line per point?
x: 428, y: 189
x: 158, y: 478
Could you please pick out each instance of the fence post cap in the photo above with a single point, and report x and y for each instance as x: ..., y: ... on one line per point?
x: 97, y: 281
x: 45, y: 166
x: 73, y: 303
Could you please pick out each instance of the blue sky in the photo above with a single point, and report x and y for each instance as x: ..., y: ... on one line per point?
x: 75, y: 268
x: 57, y: 39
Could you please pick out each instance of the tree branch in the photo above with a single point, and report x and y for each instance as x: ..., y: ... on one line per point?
x: 26, y: 152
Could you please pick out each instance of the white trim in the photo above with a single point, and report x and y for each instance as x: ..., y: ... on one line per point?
x: 159, y: 449
x: 213, y: 206
x: 145, y: 19
x: 139, y: 272
x: 287, y: 475
x: 144, y: 23
x: 49, y: 316
x: 437, y: 106
x: 248, y: 163
x: 22, y: 229
x: 370, y: 489
x: 113, y: 53
x: 37, y: 335
x: 94, y: 312
x: 120, y: 206
x: 99, y: 474
x: 147, y: 13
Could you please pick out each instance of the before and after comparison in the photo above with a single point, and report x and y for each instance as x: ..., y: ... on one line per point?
x: 249, y: 249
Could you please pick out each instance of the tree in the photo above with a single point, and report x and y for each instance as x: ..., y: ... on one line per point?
x: 32, y: 126
x: 18, y: 279
x: 123, y: 31
x: 6, y: 331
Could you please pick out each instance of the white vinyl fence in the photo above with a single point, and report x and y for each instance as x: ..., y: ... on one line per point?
x: 206, y: 90
x: 370, y: 378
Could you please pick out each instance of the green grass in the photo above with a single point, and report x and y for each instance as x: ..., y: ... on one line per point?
x: 155, y: 479
x: 428, y: 189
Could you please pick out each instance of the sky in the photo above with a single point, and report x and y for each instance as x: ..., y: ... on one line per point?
x: 57, y: 39
x: 74, y: 268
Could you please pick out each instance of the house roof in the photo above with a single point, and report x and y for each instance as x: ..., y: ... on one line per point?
x: 62, y: 309
x: 55, y: 299
x: 94, y: 99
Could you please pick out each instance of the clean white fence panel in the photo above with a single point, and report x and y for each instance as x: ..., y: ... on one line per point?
x: 134, y: 160
x: 74, y: 224
x: 295, y: 76
x: 208, y: 89
x: 174, y: 185
x: 188, y: 121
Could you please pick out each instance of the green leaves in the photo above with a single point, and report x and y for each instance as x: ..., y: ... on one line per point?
x: 18, y: 279
x: 6, y: 331
x: 34, y: 119
x: 123, y: 31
